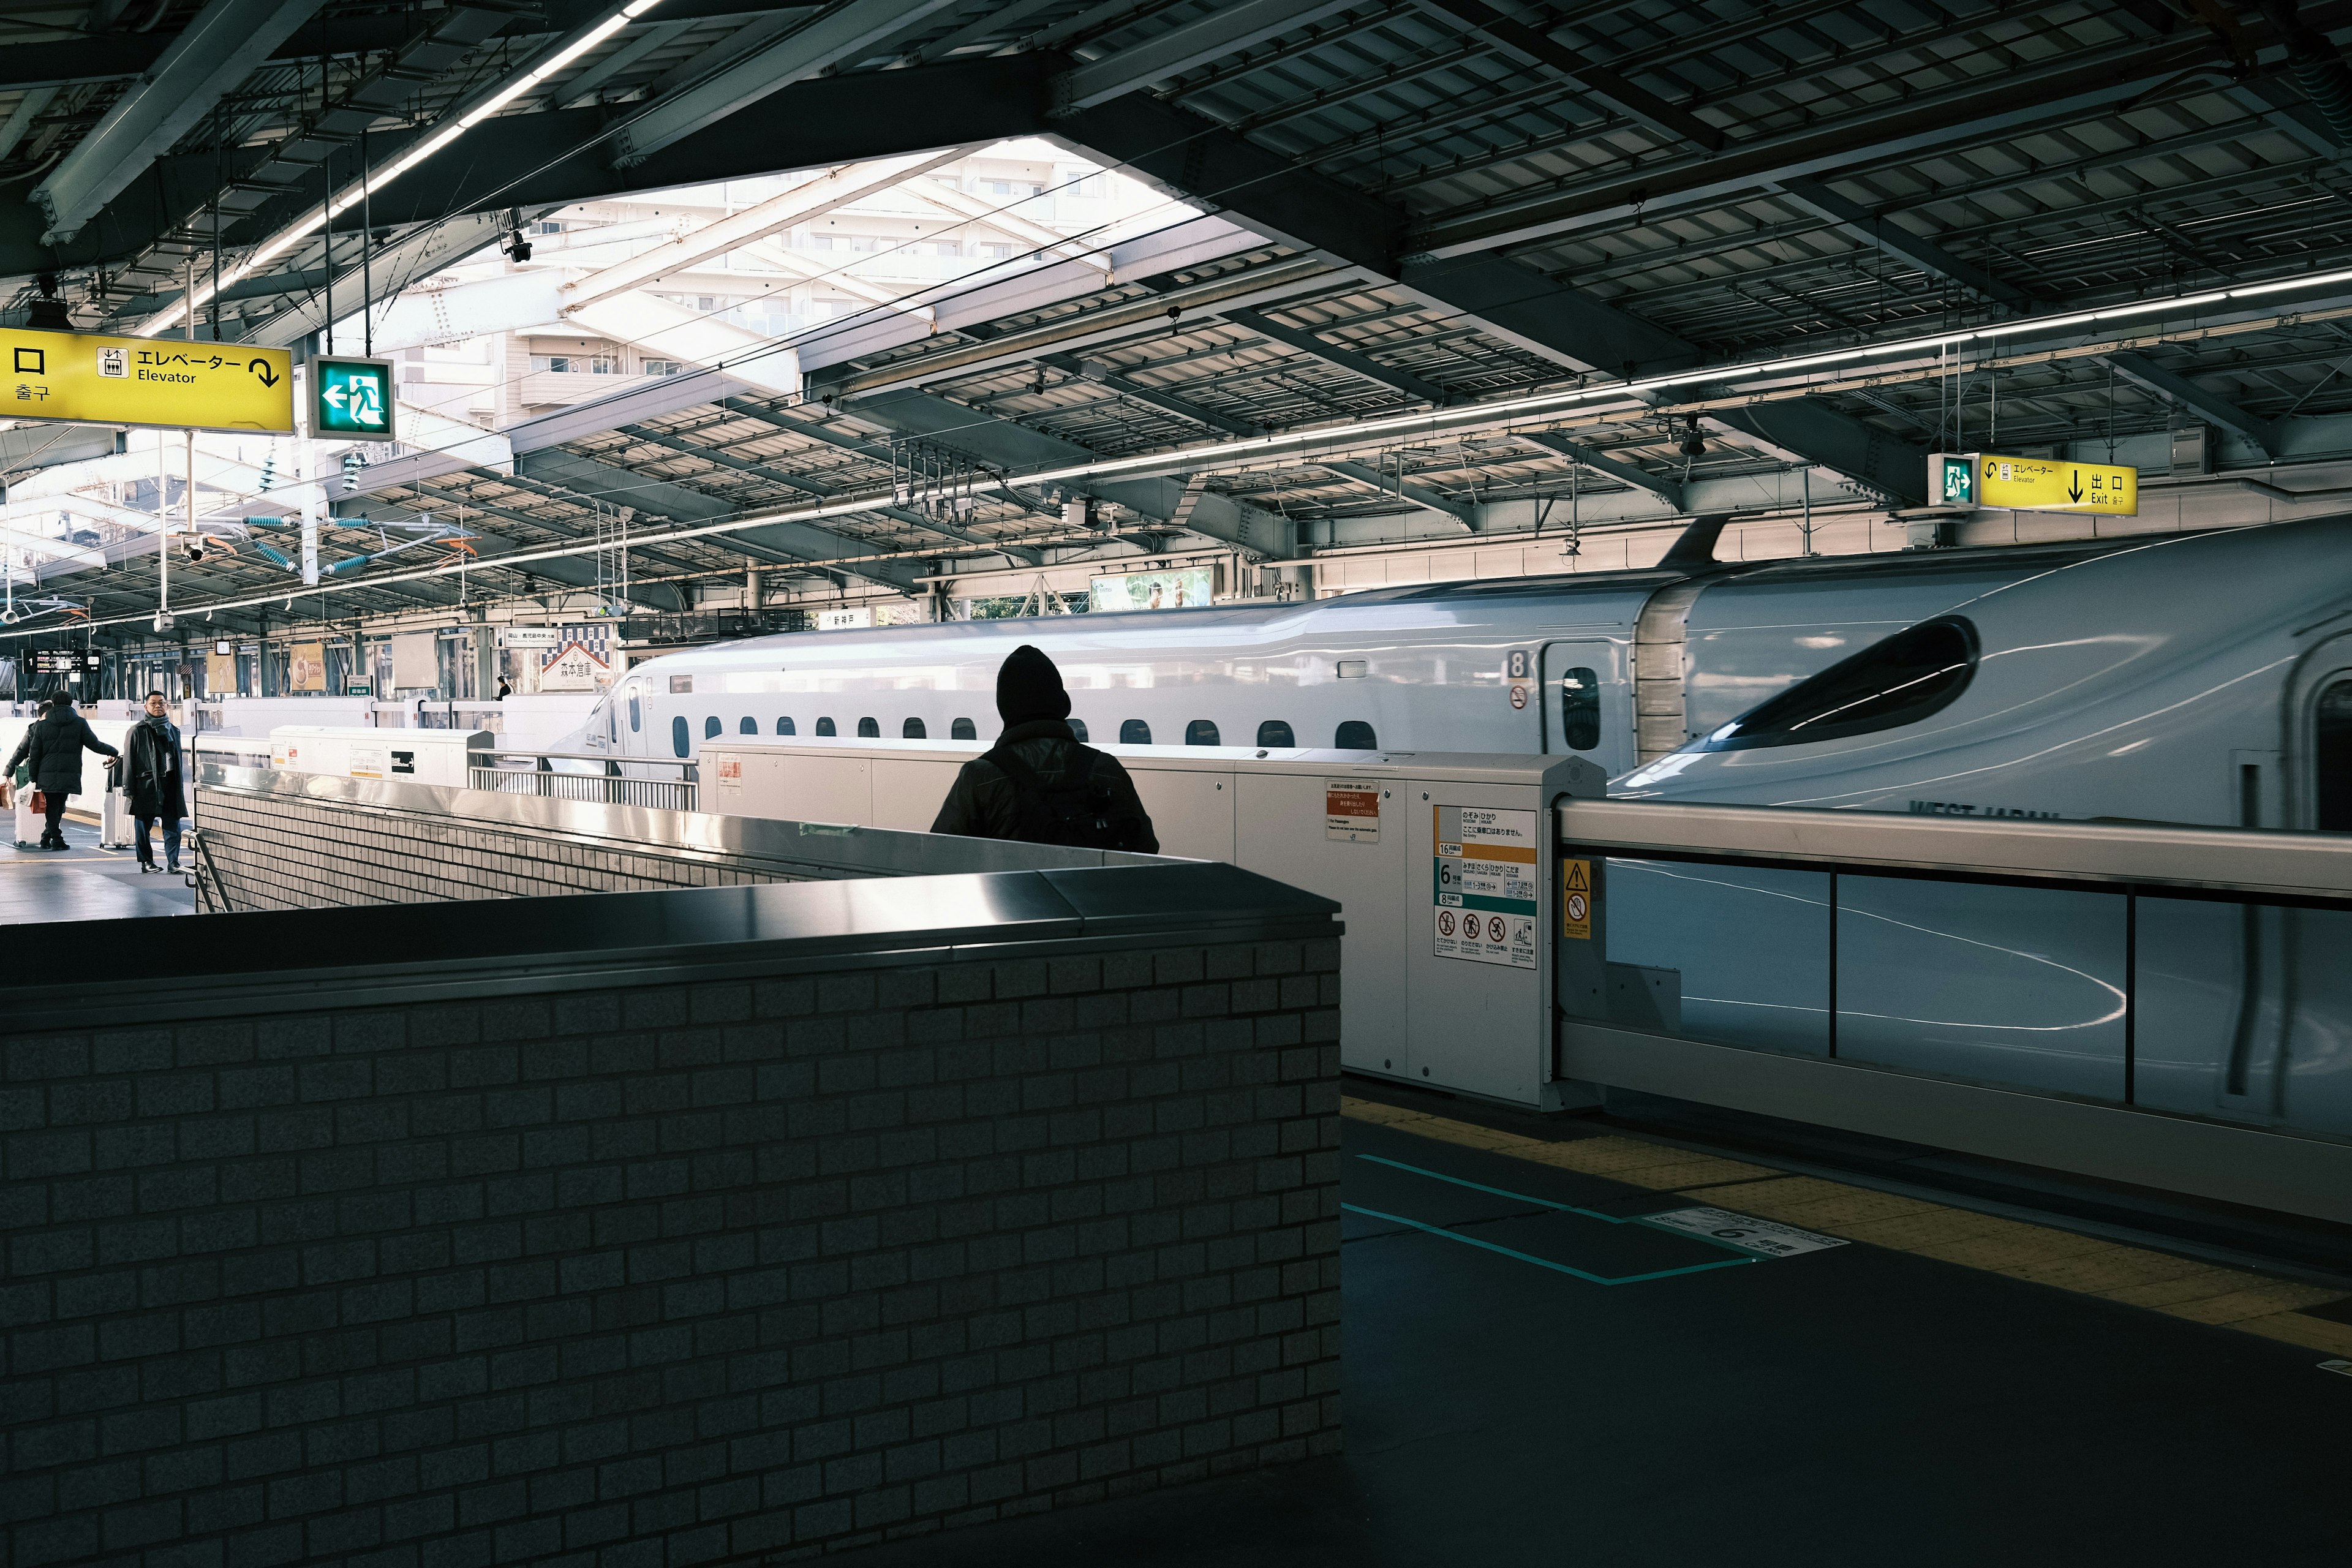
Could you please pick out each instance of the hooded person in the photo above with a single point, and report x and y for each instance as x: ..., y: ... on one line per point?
x: 1038, y: 783
x: 51, y: 753
x: 152, y: 778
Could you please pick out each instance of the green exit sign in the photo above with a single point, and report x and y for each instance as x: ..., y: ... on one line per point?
x: 351, y: 398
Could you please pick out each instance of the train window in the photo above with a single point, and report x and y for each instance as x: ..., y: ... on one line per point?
x: 1579, y: 708
x: 912, y: 729
x: 1274, y: 733
x: 1078, y: 728
x: 750, y: 726
x: 869, y: 730
x: 1200, y: 733
x: 1354, y: 735
x: 1134, y: 733
x: 681, y: 741
x: 2333, y: 754
x: 1900, y: 681
x: 637, y: 716
x: 963, y: 730
x: 711, y: 726
x: 785, y: 727
x: 825, y: 727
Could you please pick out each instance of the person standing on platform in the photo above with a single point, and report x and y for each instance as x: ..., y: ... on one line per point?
x: 51, y: 751
x: 155, y: 784
x: 504, y: 690
x: 1039, y: 785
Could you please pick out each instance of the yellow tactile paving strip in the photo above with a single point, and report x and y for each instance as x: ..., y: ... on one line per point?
x: 2086, y: 1264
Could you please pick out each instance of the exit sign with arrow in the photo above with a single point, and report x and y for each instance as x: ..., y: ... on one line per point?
x: 351, y: 398
x: 2032, y: 484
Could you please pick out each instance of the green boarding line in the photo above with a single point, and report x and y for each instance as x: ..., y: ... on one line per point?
x: 1744, y: 1256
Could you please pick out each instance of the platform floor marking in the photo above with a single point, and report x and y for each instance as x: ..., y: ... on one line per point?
x: 2019, y: 1250
x: 1744, y: 1256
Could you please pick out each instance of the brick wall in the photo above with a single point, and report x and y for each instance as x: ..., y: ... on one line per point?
x: 668, y: 1274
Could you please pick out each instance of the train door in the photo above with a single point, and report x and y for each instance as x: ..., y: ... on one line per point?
x: 1587, y: 707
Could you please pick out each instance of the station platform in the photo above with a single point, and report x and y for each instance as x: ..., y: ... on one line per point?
x: 86, y: 883
x: 1534, y: 1376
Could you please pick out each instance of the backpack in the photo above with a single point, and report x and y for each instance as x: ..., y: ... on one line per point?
x: 1081, y: 814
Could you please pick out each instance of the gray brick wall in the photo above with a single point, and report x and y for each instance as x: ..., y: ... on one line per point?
x: 668, y: 1274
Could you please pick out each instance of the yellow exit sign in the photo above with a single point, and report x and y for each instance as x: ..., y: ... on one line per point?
x: 170, y: 382
x: 2032, y: 484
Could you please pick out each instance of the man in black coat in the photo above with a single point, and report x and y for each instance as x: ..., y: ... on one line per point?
x: 1039, y: 784
x: 51, y: 749
x: 153, y: 783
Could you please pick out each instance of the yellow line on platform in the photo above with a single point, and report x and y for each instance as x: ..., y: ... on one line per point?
x: 2017, y: 1249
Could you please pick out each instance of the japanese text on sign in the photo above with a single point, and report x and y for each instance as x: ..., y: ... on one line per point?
x: 147, y: 381
x: 2033, y: 484
x: 1351, y: 811
x: 1482, y: 886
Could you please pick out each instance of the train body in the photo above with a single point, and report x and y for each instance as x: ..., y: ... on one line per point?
x: 1618, y: 666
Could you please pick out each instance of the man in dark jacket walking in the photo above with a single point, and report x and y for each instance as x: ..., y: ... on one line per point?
x: 1039, y: 784
x: 153, y: 780
x: 51, y: 749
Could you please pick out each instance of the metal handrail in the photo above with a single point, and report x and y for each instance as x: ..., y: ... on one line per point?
x: 608, y: 785
x: 2150, y: 855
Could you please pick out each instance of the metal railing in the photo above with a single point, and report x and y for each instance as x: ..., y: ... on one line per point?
x: 657, y: 783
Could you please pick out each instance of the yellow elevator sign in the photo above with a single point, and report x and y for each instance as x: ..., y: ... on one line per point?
x: 169, y: 382
x: 2032, y: 484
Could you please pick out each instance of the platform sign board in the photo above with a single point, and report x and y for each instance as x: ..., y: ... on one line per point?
x: 1482, y: 886
x: 2032, y: 484
x: 351, y: 398
x: 170, y: 381
x: 1351, y: 810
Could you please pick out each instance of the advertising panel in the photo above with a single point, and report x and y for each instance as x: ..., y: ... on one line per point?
x: 1187, y: 589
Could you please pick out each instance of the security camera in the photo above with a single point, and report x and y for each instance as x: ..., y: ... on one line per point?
x: 162, y: 621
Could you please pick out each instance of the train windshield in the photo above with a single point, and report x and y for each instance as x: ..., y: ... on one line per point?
x: 1898, y: 681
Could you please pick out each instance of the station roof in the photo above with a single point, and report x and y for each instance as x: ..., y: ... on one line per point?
x: 1446, y: 208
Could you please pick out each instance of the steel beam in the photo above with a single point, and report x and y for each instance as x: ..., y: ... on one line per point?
x: 218, y: 49
x: 1885, y: 234
x: 1464, y: 512
x: 1187, y: 46
x: 1331, y: 353
x: 1516, y: 39
x: 2183, y: 392
x: 1617, y: 468
x: 839, y: 36
x: 1127, y: 386
x: 1564, y: 325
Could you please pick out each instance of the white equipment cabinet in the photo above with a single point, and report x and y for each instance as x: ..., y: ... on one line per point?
x: 409, y: 757
x: 1414, y: 847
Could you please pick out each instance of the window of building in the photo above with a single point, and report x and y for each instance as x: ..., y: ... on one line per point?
x: 1354, y: 735
x: 711, y: 726
x: 992, y: 251
x: 1900, y: 681
x: 1200, y: 733
x: 681, y: 741
x: 2332, y: 754
x: 947, y: 247
x: 662, y: 367
x: 1579, y: 708
x: 912, y: 729
x: 577, y: 364
x: 1134, y: 733
x: 1274, y: 733
x: 785, y: 727
x: 869, y: 730
x: 1078, y: 728
x: 963, y: 730
x: 825, y: 727
x: 750, y: 726
x: 545, y: 225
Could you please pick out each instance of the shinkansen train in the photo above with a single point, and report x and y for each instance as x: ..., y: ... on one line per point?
x: 2174, y: 678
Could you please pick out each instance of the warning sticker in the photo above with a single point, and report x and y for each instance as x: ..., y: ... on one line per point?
x: 1482, y: 886
x: 1351, y: 811
x: 1576, y: 899
x: 1763, y: 1235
